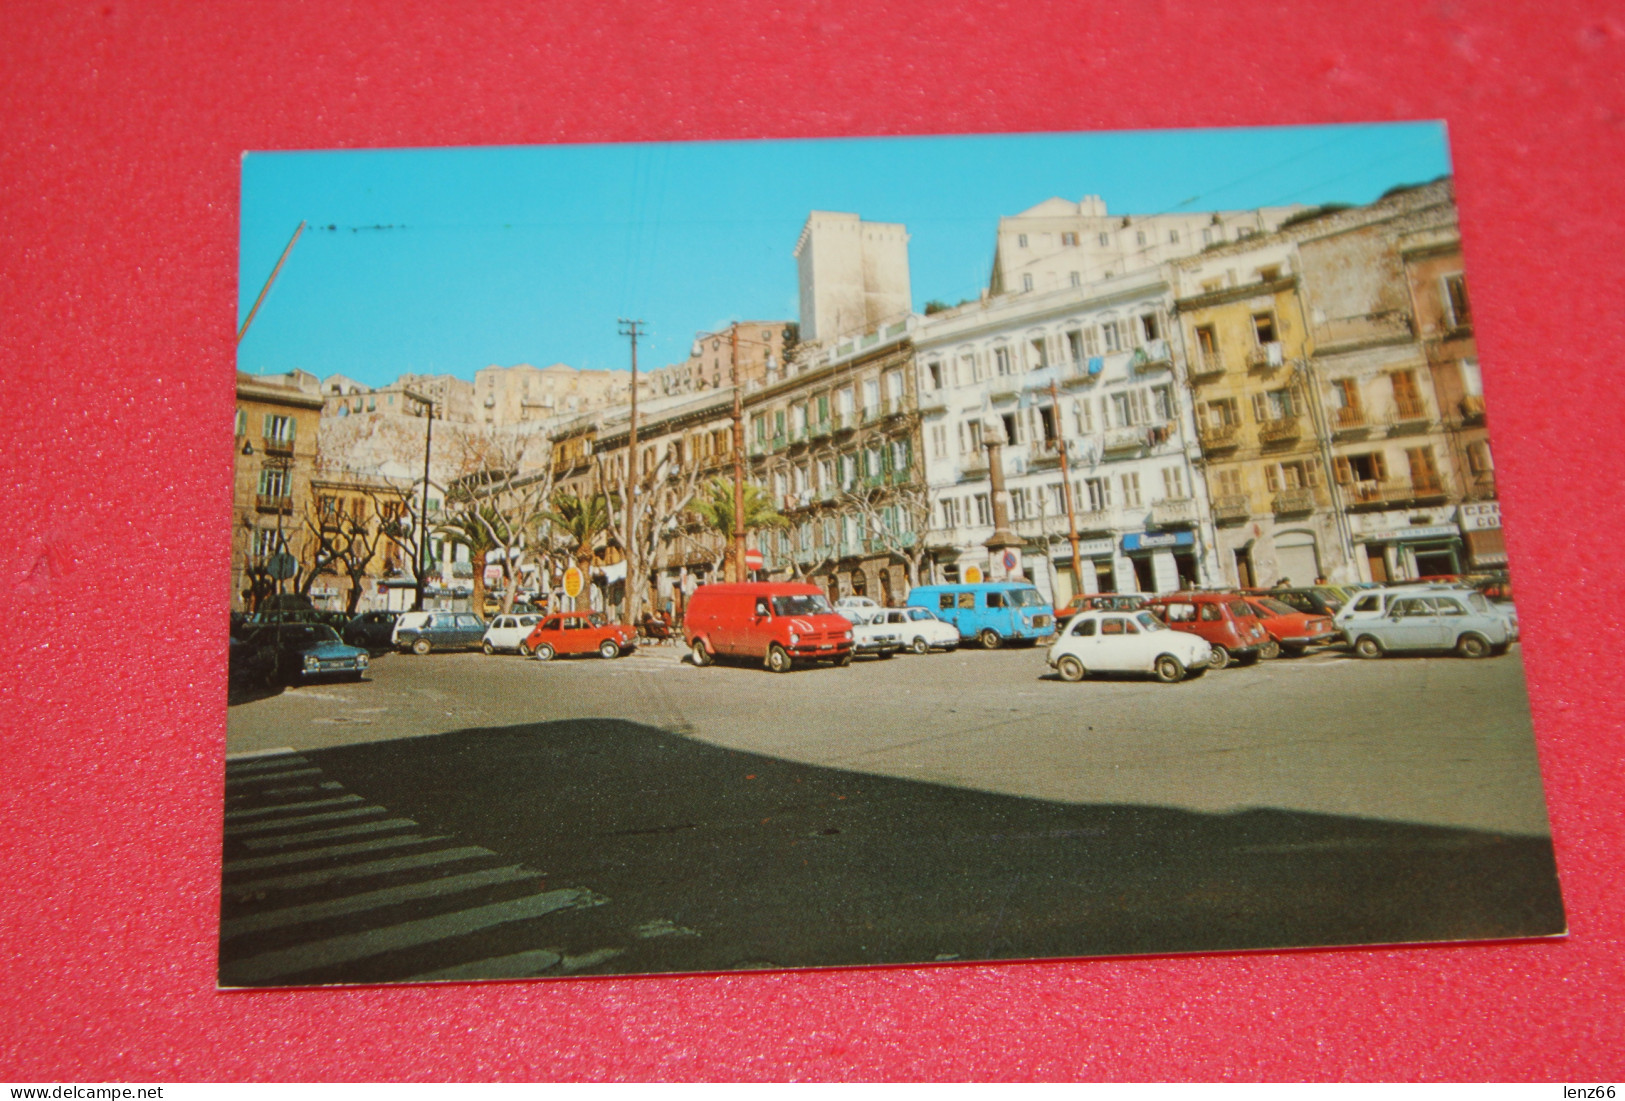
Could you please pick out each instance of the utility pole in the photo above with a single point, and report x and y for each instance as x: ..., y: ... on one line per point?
x: 1066, y: 492
x: 629, y: 327
x: 265, y: 290
x: 737, y: 550
x: 423, y: 535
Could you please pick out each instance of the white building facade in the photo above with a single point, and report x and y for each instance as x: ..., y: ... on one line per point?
x: 1093, y: 367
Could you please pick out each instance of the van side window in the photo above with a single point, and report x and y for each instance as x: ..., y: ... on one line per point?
x: 945, y: 601
x: 1447, y: 606
x: 1180, y: 613
x: 995, y: 600
x: 1112, y: 626
x: 967, y: 600
x: 1411, y: 608
x: 1211, y: 612
x: 1367, y: 603
x: 1084, y: 628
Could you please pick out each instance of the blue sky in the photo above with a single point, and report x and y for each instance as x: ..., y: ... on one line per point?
x: 449, y: 260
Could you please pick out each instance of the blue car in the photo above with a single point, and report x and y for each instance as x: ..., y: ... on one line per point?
x: 992, y: 612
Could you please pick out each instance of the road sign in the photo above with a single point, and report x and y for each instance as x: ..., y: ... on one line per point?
x: 281, y: 566
x: 753, y: 560
x: 1010, y: 560
x: 973, y: 575
x: 572, y: 582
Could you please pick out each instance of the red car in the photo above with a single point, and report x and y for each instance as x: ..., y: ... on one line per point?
x: 1288, y: 628
x: 1101, y: 602
x: 1224, y: 619
x: 776, y: 623
x: 579, y: 633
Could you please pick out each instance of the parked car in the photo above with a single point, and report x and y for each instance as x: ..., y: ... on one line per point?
x: 1289, y: 629
x: 292, y: 652
x: 579, y: 633
x: 990, y: 612
x: 871, y: 634
x: 1104, y: 602
x: 1425, y: 618
x: 855, y: 602
x: 1222, y: 619
x: 921, y: 630
x: 421, y: 632
x: 1312, y: 599
x: 1127, y: 642
x: 778, y: 623
x: 373, y: 630
x: 509, y: 632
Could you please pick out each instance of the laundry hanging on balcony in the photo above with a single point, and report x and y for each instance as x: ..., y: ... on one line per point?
x: 1097, y: 364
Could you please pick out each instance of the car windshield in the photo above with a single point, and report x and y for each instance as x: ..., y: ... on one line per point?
x: 1025, y: 598
x: 1150, y: 622
x: 308, y: 634
x: 800, y: 605
x: 920, y: 613
x: 1279, y: 607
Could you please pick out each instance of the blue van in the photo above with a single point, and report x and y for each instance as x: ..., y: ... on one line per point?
x: 990, y: 612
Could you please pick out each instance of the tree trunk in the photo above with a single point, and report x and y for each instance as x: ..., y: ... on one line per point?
x: 584, y: 597
x: 477, y: 561
x: 352, y: 599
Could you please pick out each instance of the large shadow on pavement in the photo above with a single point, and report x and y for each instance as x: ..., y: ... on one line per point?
x: 712, y: 859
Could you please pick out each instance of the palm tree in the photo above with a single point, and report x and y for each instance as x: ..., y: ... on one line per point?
x: 476, y: 528
x: 581, y: 521
x: 715, y: 506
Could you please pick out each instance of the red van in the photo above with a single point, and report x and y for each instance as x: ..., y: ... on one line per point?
x: 1223, y: 619
x: 779, y: 623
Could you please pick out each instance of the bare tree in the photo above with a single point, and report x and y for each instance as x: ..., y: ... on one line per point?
x: 662, y: 494
x: 895, y: 519
x: 496, y: 505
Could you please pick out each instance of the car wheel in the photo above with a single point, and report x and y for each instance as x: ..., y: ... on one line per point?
x: 844, y: 660
x: 1168, y: 669
x: 700, y: 655
x: 420, y: 646
x: 1250, y: 658
x: 1270, y: 650
x: 608, y: 649
x: 1473, y: 646
x: 1367, y: 647
x: 544, y: 652
x: 778, y: 659
x: 919, y: 645
x: 1071, y: 669
x: 524, y: 649
x: 989, y: 639
x: 1220, y: 659
x: 488, y: 648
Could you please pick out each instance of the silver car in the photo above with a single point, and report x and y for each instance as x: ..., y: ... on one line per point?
x: 1424, y: 618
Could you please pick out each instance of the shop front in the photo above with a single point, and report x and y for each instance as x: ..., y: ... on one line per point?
x: 1481, y: 529
x: 1161, y: 561
x: 1399, y: 547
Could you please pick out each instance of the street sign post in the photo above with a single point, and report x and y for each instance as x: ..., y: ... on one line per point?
x: 753, y: 560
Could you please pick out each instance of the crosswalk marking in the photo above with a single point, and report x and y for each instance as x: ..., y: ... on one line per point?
x: 301, y: 880
x: 520, y: 965
x: 358, y: 946
x: 255, y: 863
x: 238, y: 782
x: 307, y: 804
x: 283, y: 841
x: 301, y: 820
x: 269, y: 764
x: 370, y: 900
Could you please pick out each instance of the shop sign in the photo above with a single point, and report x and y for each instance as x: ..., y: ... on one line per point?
x: 973, y: 575
x: 1087, y: 548
x: 1408, y: 535
x: 1142, y: 540
x: 1484, y: 517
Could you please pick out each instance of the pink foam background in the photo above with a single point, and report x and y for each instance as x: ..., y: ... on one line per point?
x: 118, y: 194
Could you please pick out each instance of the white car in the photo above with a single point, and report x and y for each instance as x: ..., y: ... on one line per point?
x: 1127, y: 642
x: 855, y: 602
x: 871, y: 634
x: 508, y: 632
x: 921, y: 631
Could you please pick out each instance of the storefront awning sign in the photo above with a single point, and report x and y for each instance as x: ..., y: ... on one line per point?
x: 1144, y: 540
x: 1409, y: 535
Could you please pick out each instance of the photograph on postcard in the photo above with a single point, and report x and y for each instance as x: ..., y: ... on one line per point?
x: 795, y: 554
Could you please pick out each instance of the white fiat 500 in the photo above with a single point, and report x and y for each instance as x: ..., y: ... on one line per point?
x: 922, y: 632
x: 508, y: 632
x: 1127, y: 642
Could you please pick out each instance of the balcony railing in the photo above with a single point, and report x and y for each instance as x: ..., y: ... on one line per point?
x: 1173, y: 510
x: 1205, y: 364
x: 1152, y: 355
x: 1409, y: 411
x: 1350, y: 418
x: 818, y: 430
x: 1395, y: 491
x: 1123, y: 439
x: 1045, y: 455
x: 1218, y: 437
x: 1472, y: 409
x: 273, y: 502
x: 1097, y: 519
x: 1077, y: 374
x: 1265, y: 357
x: 276, y: 447
x: 1481, y: 485
x: 974, y: 466
x: 1280, y: 430
x: 1294, y: 501
x: 843, y: 422
x: 1232, y: 509
x: 1424, y: 489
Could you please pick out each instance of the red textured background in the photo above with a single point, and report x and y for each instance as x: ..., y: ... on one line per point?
x: 118, y: 193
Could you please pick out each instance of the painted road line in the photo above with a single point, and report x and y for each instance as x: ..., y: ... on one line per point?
x: 260, y: 754
x: 298, y: 880
x: 270, y: 764
x: 520, y: 965
x: 255, y: 863
x: 302, y: 820
x: 370, y: 900
x: 308, y: 804
x: 240, y: 782
x: 284, y: 840
x: 410, y: 934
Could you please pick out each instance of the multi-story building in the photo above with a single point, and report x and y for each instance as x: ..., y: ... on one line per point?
x: 711, y: 365
x: 453, y: 397
x: 853, y: 274
x: 1060, y: 243
x: 1395, y: 418
x: 1259, y: 420
x: 511, y: 395
x: 1091, y: 367
x: 276, y: 444
x: 836, y: 443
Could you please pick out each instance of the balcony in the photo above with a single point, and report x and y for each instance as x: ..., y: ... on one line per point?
x: 1097, y: 519
x: 1472, y: 409
x: 1119, y: 440
x: 1045, y: 456
x: 277, y: 447
x: 1077, y: 374
x: 1350, y: 420
x: 936, y: 402
x: 872, y: 413
x: 1266, y: 357
x: 779, y: 443
x: 1417, y: 490
x: 798, y: 436
x: 273, y: 502
x: 1280, y: 430
x: 843, y: 422
x: 1296, y: 501
x: 1206, y: 364
x: 1173, y: 511
x: 1481, y: 485
x: 1410, y: 414
x: 1365, y: 494
x: 1218, y: 437
x: 758, y: 448
x: 973, y: 467
x: 819, y: 430
x: 1154, y: 355
x: 1234, y: 509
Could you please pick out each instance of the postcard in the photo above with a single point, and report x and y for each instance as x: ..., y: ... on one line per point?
x: 803, y: 554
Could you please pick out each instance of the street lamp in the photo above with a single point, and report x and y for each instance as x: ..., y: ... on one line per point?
x: 423, y: 535
x: 736, y: 549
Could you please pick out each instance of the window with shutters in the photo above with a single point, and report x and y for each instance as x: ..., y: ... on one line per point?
x: 1074, y: 345
x: 1131, y: 408
x: 1424, y: 471
x: 1002, y: 365
x: 1131, y: 489
x: 939, y: 441
x: 1083, y: 420
x: 1020, y: 504
x: 1407, y: 398
x: 1048, y: 424
x: 871, y: 394
x: 1472, y: 382
x: 1162, y: 403
x: 1069, y: 240
x: 1458, y: 313
x: 1363, y: 474
x: 1274, y: 405
x: 1173, y: 483
x: 1207, y: 342
x: 1037, y: 353
x: 1264, y: 328
x: 1012, y: 428
x: 1098, y: 492
x: 1150, y: 326
x: 933, y: 374
x: 279, y: 430
x: 1091, y: 341
x: 1056, y: 498
x: 276, y: 481
x: 1111, y: 336
x: 1227, y: 482
x: 984, y: 511
x: 966, y: 373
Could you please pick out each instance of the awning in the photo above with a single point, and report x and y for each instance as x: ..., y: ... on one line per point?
x: 613, y: 573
